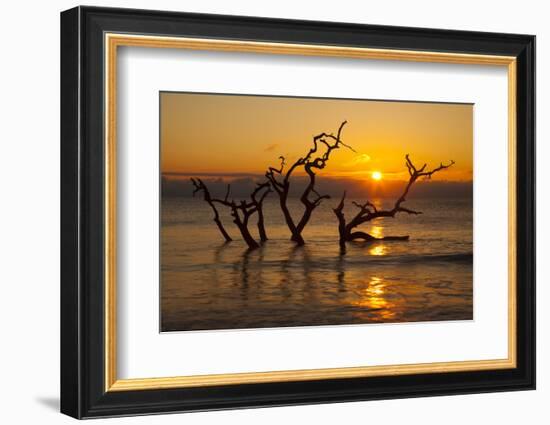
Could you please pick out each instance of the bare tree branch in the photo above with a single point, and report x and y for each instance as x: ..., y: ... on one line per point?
x: 368, y: 211
x: 263, y: 190
x: 242, y: 210
x: 200, y: 186
x: 310, y: 198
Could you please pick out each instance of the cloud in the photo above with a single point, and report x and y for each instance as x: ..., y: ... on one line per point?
x: 271, y: 148
x: 362, y: 158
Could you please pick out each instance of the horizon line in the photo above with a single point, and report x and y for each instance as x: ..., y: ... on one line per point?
x: 184, y: 174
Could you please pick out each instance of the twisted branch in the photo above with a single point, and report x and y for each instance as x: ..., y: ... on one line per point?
x: 200, y: 186
x: 368, y: 211
x: 310, y: 197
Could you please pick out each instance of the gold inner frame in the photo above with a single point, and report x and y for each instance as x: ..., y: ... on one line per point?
x: 113, y: 41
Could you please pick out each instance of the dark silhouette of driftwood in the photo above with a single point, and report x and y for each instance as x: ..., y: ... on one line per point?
x: 278, y: 181
x: 257, y: 197
x: 200, y: 186
x: 241, y: 211
x: 368, y: 211
x: 310, y: 198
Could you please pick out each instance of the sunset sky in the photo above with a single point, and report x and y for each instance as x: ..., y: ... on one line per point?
x: 233, y: 136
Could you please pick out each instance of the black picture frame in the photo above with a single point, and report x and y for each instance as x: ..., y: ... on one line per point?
x: 83, y: 392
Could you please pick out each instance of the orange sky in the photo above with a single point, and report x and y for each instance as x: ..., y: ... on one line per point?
x: 203, y: 134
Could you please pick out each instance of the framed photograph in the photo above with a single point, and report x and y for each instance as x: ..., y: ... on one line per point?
x: 261, y: 212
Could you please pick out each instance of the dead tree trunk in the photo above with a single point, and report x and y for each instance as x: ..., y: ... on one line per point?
x: 258, y: 197
x: 243, y: 210
x: 200, y: 186
x: 368, y: 211
x: 240, y: 211
x: 310, y: 198
x: 242, y: 223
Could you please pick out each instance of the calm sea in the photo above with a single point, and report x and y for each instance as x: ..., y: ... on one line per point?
x: 209, y: 284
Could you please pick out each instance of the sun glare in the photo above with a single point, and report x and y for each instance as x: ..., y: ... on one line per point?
x: 376, y: 175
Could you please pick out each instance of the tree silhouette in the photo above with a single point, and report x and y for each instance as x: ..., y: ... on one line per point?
x: 310, y: 198
x: 278, y: 181
x: 257, y: 198
x: 200, y: 186
x: 368, y: 211
x: 241, y: 211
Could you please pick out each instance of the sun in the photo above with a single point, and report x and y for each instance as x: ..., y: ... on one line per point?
x: 376, y: 175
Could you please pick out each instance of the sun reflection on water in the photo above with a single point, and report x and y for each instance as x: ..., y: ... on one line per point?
x: 376, y: 231
x: 374, y: 298
x: 376, y: 286
x: 378, y: 250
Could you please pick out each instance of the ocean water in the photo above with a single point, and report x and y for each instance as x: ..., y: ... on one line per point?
x: 209, y: 284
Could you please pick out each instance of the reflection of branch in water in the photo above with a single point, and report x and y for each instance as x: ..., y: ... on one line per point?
x: 285, y: 275
x: 309, y: 288
x: 218, y: 259
x: 219, y: 250
x: 243, y: 277
x: 260, y: 253
x: 292, y: 259
x: 341, y: 269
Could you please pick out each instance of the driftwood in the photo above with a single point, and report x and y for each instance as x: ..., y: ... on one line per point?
x: 368, y: 211
x: 278, y: 181
x: 241, y: 211
x: 201, y: 187
x: 310, y: 198
x: 257, y: 197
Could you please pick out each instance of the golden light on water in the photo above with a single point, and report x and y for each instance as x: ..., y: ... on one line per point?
x: 377, y: 298
x: 376, y: 231
x: 376, y: 175
x: 374, y: 298
x: 376, y: 286
x: 378, y: 250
